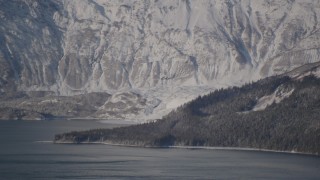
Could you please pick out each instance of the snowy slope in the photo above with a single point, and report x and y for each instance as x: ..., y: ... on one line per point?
x: 158, y: 54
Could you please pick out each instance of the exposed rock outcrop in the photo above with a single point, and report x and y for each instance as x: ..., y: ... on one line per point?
x: 166, y: 51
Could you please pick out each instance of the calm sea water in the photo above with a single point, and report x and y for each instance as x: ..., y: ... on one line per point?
x: 23, y: 157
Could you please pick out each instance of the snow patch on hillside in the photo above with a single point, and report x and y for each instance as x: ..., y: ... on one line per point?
x: 280, y: 94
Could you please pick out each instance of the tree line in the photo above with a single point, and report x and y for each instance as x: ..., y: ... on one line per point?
x: 225, y: 118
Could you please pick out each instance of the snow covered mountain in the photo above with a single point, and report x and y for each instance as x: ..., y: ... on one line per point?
x: 150, y: 56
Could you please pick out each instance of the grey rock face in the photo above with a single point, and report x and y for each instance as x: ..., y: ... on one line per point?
x: 158, y: 49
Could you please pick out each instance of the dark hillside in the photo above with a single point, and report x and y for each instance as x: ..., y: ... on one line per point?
x: 230, y: 118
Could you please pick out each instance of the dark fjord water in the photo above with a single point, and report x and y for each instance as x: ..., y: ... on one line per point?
x: 22, y: 157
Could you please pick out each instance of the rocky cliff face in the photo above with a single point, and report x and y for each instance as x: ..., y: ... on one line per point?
x: 151, y: 55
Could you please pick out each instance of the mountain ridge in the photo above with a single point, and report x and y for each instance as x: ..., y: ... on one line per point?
x: 161, y: 52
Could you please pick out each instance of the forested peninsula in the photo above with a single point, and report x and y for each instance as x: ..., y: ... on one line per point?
x: 277, y: 113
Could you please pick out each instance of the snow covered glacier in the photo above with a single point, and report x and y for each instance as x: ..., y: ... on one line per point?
x: 151, y: 55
